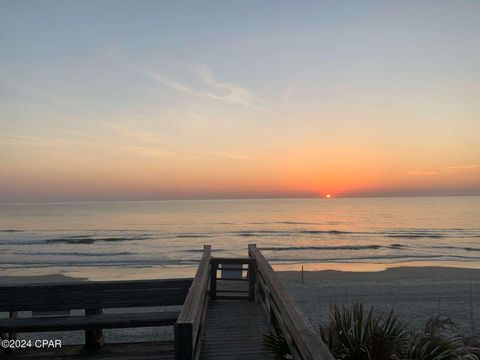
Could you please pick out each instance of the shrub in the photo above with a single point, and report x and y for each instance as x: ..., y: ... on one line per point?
x: 438, y: 341
x: 353, y: 334
x: 278, y: 346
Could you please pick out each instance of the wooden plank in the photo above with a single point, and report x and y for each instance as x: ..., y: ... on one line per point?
x: 296, y: 328
x: 28, y: 289
x: 36, y: 324
x: 93, y: 295
x: 233, y: 267
x: 234, y: 330
x: 231, y: 260
x: 109, y: 285
x: 99, y: 299
x: 233, y: 291
x: 232, y: 297
x: 81, y: 300
x: 233, y: 279
x: 223, y: 284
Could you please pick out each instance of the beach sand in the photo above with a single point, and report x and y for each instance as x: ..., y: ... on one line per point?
x: 416, y: 294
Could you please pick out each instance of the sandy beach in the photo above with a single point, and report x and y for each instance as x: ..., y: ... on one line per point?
x: 416, y: 293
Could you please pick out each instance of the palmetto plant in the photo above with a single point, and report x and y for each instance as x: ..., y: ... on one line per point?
x: 278, y: 346
x: 436, y: 342
x: 353, y: 334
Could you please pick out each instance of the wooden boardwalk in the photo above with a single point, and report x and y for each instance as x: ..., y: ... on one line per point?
x: 234, y: 330
x: 227, y: 308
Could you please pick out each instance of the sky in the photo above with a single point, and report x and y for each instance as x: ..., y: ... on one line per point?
x: 144, y: 100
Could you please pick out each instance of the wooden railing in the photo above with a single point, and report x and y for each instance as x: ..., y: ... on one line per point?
x: 232, y: 269
x: 94, y: 296
x: 190, y: 323
x: 283, y: 313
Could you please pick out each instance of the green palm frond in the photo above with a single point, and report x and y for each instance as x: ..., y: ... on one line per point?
x: 354, y: 333
x: 278, y: 346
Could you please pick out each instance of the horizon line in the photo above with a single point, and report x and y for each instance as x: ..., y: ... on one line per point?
x: 310, y: 197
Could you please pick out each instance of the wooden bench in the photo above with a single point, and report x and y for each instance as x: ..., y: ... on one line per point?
x: 92, y: 297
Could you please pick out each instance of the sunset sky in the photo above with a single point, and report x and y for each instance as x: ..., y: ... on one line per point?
x: 122, y: 100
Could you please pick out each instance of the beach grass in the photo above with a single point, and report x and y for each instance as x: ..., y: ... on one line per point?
x: 354, y: 333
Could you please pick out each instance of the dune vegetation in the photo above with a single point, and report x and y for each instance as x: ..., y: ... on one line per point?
x: 353, y: 333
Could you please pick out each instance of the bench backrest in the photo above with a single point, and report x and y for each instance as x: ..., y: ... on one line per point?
x: 91, y: 295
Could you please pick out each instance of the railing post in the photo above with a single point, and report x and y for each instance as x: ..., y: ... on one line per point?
x: 94, y: 337
x: 183, y: 341
x: 253, y: 282
x: 213, y: 279
x: 13, y: 335
x: 252, y: 272
x: 10, y: 335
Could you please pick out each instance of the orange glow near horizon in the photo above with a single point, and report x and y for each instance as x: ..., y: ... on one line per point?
x: 73, y: 170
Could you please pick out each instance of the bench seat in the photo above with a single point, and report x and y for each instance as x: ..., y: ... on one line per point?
x: 106, y: 321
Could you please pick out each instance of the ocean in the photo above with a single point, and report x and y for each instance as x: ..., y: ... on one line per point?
x: 122, y: 240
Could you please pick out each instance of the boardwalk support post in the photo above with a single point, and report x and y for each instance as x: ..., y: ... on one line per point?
x: 251, y: 280
x: 183, y: 342
x: 94, y: 337
x: 213, y: 279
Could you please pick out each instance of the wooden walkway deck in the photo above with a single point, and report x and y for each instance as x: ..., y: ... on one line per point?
x: 245, y: 301
x: 234, y: 330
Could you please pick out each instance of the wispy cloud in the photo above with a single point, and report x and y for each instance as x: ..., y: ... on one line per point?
x: 211, y: 88
x: 172, y: 84
x: 229, y: 155
x: 149, y: 151
x: 442, y: 170
x: 229, y: 92
x: 14, y: 139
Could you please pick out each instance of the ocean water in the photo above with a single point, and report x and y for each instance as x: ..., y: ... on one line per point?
x: 110, y: 240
